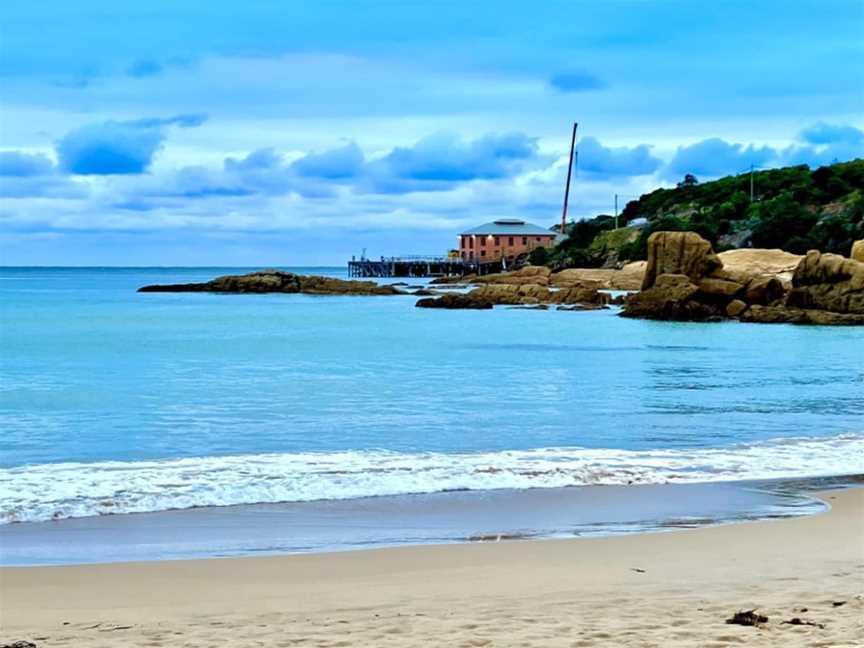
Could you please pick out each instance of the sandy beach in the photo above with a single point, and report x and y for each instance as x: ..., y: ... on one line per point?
x: 660, y: 589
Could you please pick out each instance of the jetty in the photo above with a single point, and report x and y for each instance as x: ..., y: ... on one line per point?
x: 408, y: 266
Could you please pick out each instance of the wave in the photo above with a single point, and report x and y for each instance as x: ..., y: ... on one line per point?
x: 64, y: 490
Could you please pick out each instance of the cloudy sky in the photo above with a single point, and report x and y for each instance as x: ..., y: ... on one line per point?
x: 179, y: 132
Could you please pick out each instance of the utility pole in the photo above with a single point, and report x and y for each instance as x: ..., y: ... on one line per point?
x: 569, y: 171
x: 616, y: 211
x: 751, y: 184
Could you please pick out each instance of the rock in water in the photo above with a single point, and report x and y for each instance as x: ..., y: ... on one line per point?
x: 670, y: 298
x: 278, y: 281
x: 454, y: 300
x: 679, y: 253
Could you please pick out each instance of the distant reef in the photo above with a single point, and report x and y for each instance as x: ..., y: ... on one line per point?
x: 278, y: 281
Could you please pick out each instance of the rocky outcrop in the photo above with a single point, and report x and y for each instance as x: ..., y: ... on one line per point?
x: 857, y: 253
x: 679, y: 253
x: 828, y: 282
x: 824, y: 288
x: 520, y: 295
x: 278, y: 281
x: 455, y: 300
x: 782, y: 314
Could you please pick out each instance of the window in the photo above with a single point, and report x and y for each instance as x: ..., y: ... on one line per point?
x: 510, y: 241
x: 483, y: 241
x: 497, y: 241
x: 538, y: 239
x: 471, y: 243
x: 483, y: 253
x: 524, y: 240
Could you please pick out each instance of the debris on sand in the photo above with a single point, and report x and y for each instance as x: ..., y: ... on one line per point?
x: 748, y: 618
x: 799, y: 621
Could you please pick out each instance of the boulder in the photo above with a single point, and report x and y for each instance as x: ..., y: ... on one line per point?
x: 764, y: 290
x: 580, y: 295
x: 754, y: 261
x: 722, y: 288
x: 857, y: 253
x: 679, y: 253
x: 779, y: 314
x: 538, y: 275
x: 454, y: 300
x: 828, y: 282
x: 670, y: 298
x: 628, y: 277
x: 278, y: 281
x: 735, y: 308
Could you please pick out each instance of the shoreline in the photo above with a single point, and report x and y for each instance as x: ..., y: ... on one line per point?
x: 443, y: 518
x: 647, y: 589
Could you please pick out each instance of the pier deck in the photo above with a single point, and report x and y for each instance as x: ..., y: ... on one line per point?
x: 408, y: 266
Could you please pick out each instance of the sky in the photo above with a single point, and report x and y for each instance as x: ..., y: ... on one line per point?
x: 173, y: 132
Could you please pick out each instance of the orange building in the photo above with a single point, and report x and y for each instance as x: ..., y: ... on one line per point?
x: 503, y: 240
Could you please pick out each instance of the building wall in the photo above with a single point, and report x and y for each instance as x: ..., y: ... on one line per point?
x: 488, y: 248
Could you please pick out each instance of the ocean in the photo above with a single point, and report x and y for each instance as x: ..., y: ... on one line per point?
x: 114, y: 403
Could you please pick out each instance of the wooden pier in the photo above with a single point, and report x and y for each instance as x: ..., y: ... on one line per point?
x: 409, y: 266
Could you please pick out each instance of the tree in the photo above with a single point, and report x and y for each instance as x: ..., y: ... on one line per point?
x: 688, y: 181
x: 538, y: 256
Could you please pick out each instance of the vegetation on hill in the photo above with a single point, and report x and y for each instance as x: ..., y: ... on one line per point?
x: 793, y: 208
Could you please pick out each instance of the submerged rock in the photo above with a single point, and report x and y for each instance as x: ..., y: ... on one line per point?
x: 278, y: 281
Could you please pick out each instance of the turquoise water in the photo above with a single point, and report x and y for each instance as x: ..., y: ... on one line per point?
x: 114, y: 401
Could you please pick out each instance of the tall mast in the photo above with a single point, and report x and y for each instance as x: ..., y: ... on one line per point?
x: 569, y: 172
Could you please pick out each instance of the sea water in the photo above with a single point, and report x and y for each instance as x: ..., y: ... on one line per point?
x: 115, y: 402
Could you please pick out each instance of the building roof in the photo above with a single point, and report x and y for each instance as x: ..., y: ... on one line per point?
x: 509, y: 227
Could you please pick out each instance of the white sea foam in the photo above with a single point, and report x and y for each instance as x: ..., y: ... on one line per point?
x: 61, y: 490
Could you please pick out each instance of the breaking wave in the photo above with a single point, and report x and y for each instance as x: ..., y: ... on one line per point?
x: 64, y: 490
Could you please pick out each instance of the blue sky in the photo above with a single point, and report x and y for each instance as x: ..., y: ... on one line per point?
x: 299, y: 133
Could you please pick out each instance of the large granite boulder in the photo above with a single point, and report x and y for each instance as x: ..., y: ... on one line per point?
x: 857, y: 253
x: 679, y: 253
x: 754, y: 262
x: 278, y: 281
x: 828, y: 282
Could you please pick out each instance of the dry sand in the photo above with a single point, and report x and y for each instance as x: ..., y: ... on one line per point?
x: 661, y: 589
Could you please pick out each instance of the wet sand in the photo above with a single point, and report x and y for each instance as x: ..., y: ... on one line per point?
x: 653, y: 589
